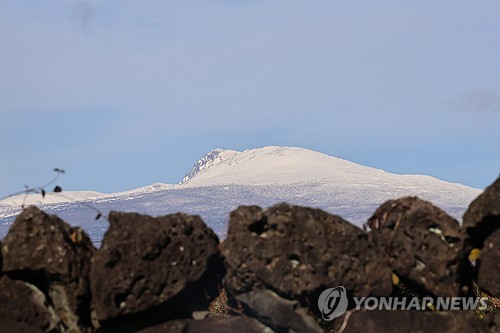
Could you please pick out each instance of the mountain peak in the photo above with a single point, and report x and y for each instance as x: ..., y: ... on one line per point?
x: 284, y: 167
x: 271, y: 165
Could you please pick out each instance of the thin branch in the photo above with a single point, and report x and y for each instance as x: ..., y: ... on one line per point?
x: 58, y: 174
x: 57, y: 189
x: 87, y: 205
x: 37, y: 189
x: 346, y: 321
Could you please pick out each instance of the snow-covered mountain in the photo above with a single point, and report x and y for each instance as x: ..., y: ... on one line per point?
x: 290, y: 165
x: 225, y: 179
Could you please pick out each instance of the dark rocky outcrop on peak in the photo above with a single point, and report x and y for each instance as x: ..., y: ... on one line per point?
x: 55, y: 257
x: 422, y: 244
x: 24, y: 308
x: 170, y: 274
x: 149, y: 269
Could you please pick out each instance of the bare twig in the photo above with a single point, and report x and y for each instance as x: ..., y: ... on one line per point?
x: 398, y: 222
x: 57, y: 192
x: 38, y: 189
x: 346, y: 321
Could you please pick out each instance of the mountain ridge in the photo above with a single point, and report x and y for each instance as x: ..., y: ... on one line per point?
x: 222, y: 180
x: 214, y: 167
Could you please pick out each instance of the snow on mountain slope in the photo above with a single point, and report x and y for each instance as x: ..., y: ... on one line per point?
x: 37, y: 199
x: 291, y: 165
x: 288, y: 165
x: 274, y: 165
x: 77, y: 196
x: 224, y: 179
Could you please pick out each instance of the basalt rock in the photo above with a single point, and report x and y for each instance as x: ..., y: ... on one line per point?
x: 483, y: 216
x: 149, y: 270
x: 227, y: 325
x: 493, y: 321
x: 298, y: 252
x: 422, y: 244
x: 363, y: 321
x: 173, y: 326
x: 280, y: 314
x: 488, y: 277
x: 24, y: 308
x: 47, y: 252
x: 157, y: 274
x: 210, y: 325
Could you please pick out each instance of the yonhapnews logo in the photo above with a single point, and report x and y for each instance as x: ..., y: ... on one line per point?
x: 333, y: 303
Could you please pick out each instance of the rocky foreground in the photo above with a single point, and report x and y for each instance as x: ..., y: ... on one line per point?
x: 171, y: 274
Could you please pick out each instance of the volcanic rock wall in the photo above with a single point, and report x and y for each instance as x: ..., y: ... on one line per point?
x: 171, y: 274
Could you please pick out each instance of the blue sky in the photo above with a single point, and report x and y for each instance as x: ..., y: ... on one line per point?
x: 123, y: 94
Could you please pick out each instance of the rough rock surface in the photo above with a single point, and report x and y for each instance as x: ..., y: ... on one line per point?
x: 278, y: 313
x: 49, y: 253
x: 227, y: 325
x: 298, y: 252
x: 493, y: 321
x: 410, y: 321
x: 211, y: 325
x: 488, y: 277
x: 422, y: 244
x: 483, y: 216
x: 151, y: 269
x: 161, y: 274
x: 24, y: 308
x: 173, y: 326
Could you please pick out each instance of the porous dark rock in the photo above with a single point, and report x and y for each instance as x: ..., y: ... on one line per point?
x: 47, y: 252
x: 298, y: 252
x: 150, y: 269
x: 173, y: 326
x: 493, y: 321
x: 227, y: 325
x: 422, y: 244
x: 282, y: 315
x: 488, y: 277
x: 24, y: 308
x: 483, y: 216
x: 210, y: 325
x: 363, y: 321
x: 156, y: 274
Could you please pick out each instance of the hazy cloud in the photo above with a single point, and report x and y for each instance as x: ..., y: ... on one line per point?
x: 83, y: 13
x: 476, y: 101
